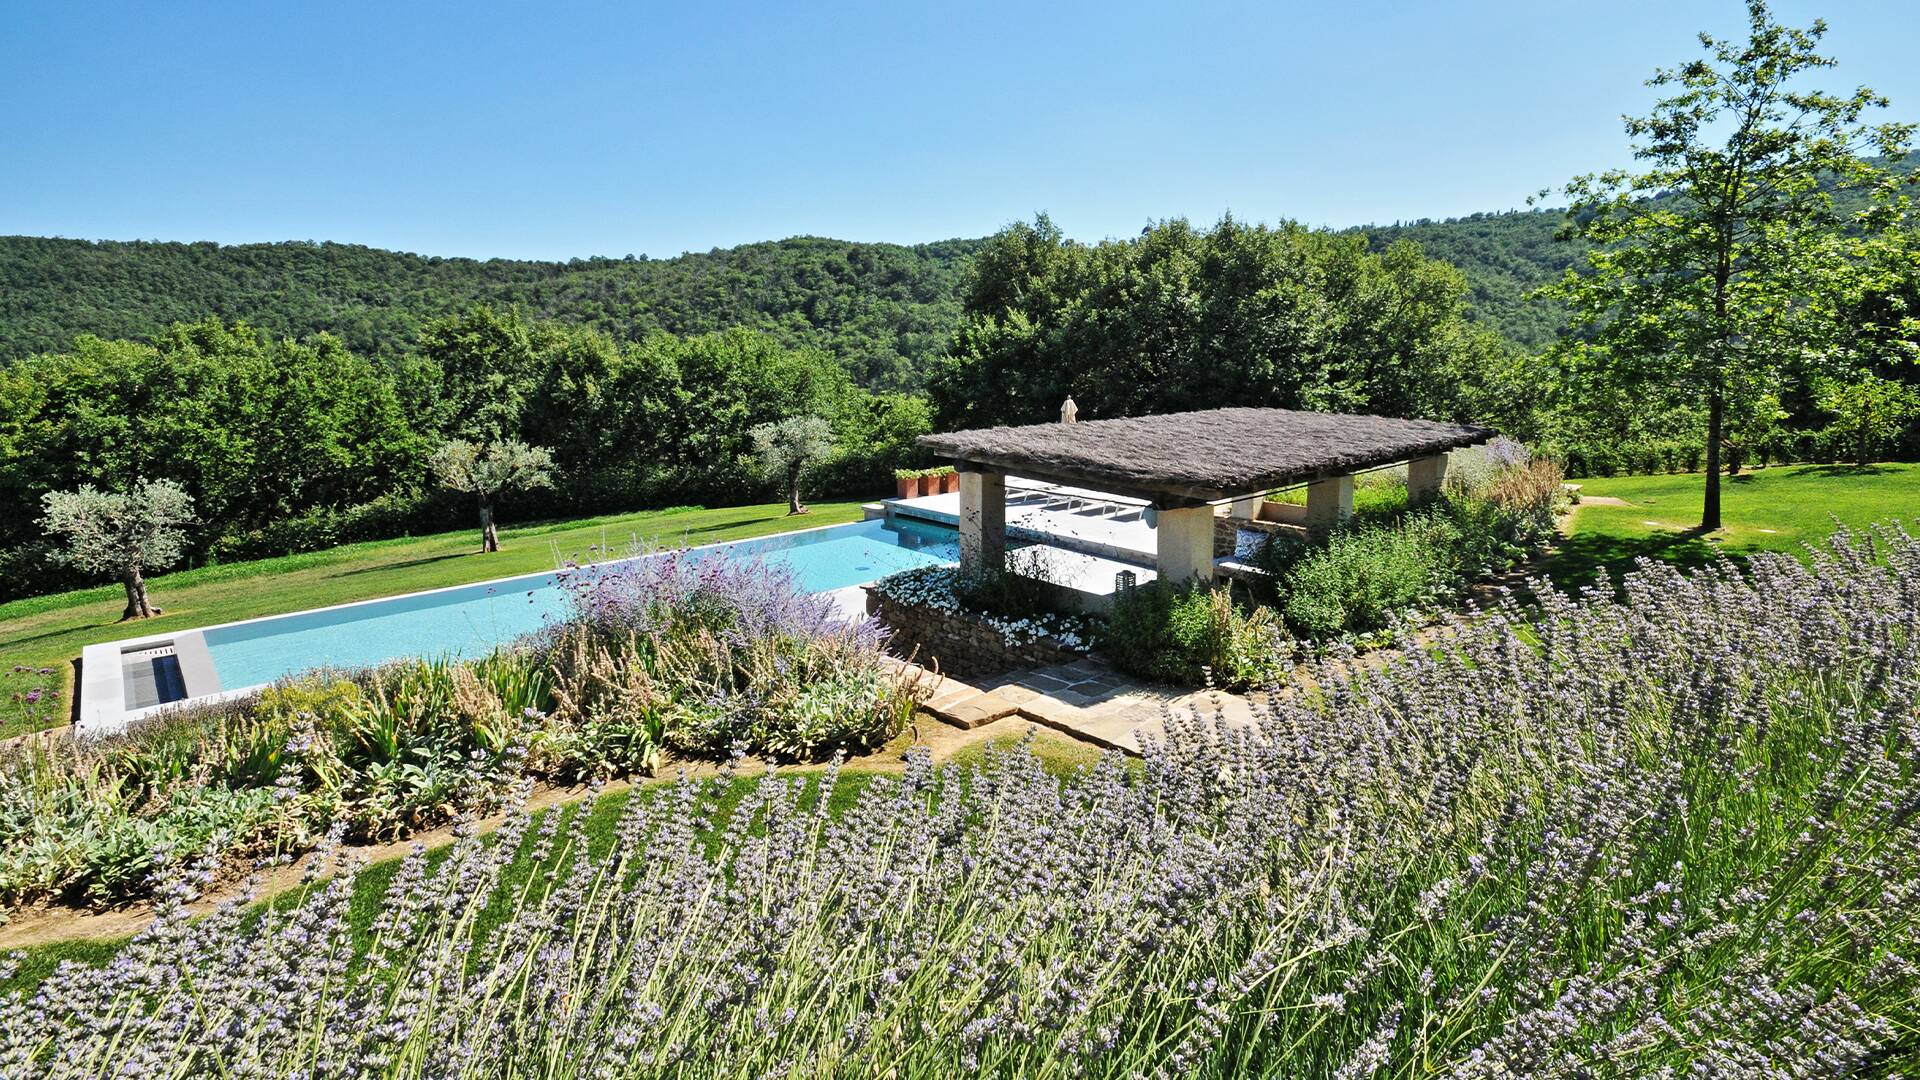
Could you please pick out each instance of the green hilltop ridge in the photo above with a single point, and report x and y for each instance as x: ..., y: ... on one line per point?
x: 883, y: 309
x: 886, y: 311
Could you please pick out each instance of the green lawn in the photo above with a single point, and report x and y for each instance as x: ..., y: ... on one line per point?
x: 50, y: 631
x: 1774, y: 509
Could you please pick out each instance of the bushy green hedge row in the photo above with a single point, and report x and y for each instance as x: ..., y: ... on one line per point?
x: 1644, y: 457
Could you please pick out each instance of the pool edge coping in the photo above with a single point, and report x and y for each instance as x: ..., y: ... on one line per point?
x: 102, y: 686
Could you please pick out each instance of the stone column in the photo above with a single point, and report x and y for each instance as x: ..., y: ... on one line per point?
x: 1247, y: 508
x: 1424, y: 477
x: 1329, y: 504
x: 983, y: 520
x: 1184, y: 546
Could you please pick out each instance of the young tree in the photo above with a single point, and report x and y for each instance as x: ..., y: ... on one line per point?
x: 787, y: 447
x: 1700, y: 263
x: 489, y: 472
x: 1868, y: 410
x: 123, y: 533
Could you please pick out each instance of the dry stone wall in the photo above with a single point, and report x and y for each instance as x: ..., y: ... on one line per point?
x: 959, y: 644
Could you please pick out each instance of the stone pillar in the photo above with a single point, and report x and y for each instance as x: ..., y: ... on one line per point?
x: 1184, y: 546
x: 1329, y: 504
x: 1424, y: 477
x: 983, y: 520
x: 1247, y: 508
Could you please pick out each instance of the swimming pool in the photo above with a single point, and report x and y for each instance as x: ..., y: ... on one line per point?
x: 463, y: 621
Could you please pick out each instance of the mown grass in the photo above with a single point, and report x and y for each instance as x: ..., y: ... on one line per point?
x: 50, y: 631
x: 1783, y: 508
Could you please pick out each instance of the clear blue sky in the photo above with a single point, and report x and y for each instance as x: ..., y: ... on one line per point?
x: 555, y: 130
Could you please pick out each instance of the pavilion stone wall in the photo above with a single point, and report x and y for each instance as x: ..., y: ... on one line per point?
x: 958, y: 643
x: 1226, y: 532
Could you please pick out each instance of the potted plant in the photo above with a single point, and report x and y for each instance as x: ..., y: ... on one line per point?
x: 929, y: 483
x: 946, y: 479
x: 906, y: 483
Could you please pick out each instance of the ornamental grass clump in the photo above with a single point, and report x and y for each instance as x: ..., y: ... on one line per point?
x: 1677, y: 835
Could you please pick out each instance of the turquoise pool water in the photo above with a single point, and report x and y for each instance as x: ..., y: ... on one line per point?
x: 471, y: 620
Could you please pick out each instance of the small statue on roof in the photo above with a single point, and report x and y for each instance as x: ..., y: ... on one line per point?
x: 1068, y: 410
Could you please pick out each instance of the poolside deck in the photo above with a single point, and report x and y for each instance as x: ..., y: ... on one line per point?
x: 1089, y: 538
x: 1075, y: 519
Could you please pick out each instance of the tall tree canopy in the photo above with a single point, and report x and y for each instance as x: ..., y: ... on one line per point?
x: 287, y: 446
x: 1704, y: 261
x: 1184, y: 318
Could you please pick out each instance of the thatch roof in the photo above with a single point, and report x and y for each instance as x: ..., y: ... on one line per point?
x: 1208, y: 456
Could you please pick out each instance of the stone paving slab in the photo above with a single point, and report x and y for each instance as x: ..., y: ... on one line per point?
x: 981, y: 708
x: 1084, y: 699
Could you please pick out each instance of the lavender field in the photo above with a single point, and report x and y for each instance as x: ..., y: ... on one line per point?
x: 1677, y: 834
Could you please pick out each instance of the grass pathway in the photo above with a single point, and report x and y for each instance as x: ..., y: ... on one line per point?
x: 49, y: 631
x: 43, y: 937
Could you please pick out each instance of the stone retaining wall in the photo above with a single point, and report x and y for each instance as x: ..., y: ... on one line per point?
x: 960, y: 644
x: 1226, y: 532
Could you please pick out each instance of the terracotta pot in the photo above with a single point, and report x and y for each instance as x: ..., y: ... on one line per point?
x: 906, y: 487
x: 949, y: 482
x: 929, y: 485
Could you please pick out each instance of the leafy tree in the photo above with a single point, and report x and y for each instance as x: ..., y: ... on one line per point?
x: 1700, y: 263
x: 1183, y: 318
x: 1868, y: 410
x: 123, y: 533
x: 486, y: 362
x: 788, y: 447
x: 882, y: 310
x: 253, y: 429
x: 489, y: 472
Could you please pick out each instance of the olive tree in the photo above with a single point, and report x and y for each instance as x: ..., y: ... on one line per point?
x: 123, y: 533
x: 490, y: 471
x: 787, y: 447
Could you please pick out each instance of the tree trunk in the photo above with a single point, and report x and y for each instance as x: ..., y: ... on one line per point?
x: 1860, y: 454
x: 793, y: 491
x: 489, y: 539
x: 1716, y: 419
x: 138, y: 606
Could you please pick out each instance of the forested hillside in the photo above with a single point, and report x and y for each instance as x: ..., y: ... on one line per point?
x: 1505, y: 257
x: 883, y: 310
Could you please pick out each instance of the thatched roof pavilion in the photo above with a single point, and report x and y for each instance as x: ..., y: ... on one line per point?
x: 1187, y: 464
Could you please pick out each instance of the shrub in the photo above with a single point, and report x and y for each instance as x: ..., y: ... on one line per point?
x: 1362, y: 579
x: 704, y: 655
x: 1529, y: 497
x: 717, y: 654
x: 1668, y: 837
x: 1194, y: 636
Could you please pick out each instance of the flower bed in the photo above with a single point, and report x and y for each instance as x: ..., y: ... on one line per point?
x: 925, y: 612
x: 1673, y: 836
x: 702, y: 657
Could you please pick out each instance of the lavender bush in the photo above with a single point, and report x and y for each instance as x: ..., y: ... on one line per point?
x: 1673, y: 836
x: 703, y: 655
x: 722, y: 655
